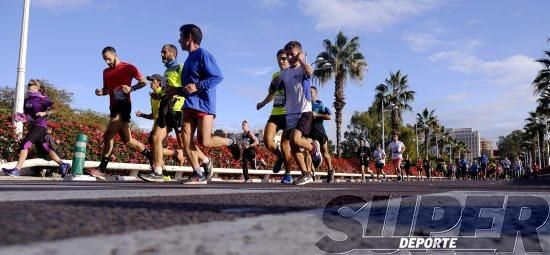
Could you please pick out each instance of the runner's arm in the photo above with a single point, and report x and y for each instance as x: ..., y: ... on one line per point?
x: 307, y: 68
x: 253, y: 137
x: 270, y: 95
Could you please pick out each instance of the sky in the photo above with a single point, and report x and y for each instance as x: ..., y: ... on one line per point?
x: 471, y: 61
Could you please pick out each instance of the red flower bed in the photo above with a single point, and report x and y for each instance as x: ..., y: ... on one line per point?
x: 66, y: 133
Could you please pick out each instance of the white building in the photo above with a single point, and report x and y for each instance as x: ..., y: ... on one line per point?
x: 470, y: 138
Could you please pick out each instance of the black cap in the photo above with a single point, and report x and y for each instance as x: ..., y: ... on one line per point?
x: 154, y: 77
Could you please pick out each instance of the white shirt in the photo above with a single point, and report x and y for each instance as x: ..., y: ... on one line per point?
x: 379, y: 155
x: 298, y: 93
x: 396, y: 149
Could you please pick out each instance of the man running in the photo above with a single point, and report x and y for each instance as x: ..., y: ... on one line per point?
x: 318, y: 133
x: 397, y: 148
x: 156, y: 96
x: 379, y: 156
x: 277, y: 121
x: 296, y: 82
x: 248, y: 144
x: 363, y: 152
x: 407, y: 165
x: 199, y: 79
x: 116, y: 83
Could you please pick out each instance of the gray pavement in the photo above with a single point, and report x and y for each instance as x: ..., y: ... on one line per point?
x: 52, y: 217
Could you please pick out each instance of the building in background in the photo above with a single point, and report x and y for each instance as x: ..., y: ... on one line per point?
x: 487, y: 147
x: 470, y: 138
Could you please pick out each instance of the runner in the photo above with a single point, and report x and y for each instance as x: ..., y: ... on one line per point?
x: 116, y: 83
x: 506, y: 166
x: 484, y: 163
x: 407, y: 166
x: 318, y: 133
x: 379, y: 156
x: 277, y: 121
x: 170, y: 114
x: 397, y: 148
x: 36, y: 107
x: 156, y: 96
x: 199, y: 78
x: 427, y: 166
x: 248, y: 144
x: 296, y: 82
x: 362, y: 154
x: 463, y: 167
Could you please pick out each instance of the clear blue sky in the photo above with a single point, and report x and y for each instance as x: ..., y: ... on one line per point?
x: 472, y: 61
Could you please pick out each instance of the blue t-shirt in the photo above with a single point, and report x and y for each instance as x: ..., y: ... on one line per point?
x: 201, y: 68
x: 319, y: 107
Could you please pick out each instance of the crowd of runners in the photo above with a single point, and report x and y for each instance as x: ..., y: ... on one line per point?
x: 183, y: 100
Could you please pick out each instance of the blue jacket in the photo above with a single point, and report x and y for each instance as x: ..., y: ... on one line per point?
x: 201, y: 68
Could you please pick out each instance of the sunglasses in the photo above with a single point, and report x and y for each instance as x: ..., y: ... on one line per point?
x: 33, y: 83
x: 282, y: 59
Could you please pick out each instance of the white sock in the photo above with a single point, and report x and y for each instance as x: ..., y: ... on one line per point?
x: 205, y: 160
x: 199, y: 171
x: 158, y: 170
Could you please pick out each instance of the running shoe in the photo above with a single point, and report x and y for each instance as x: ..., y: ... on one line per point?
x: 303, y: 179
x: 152, y: 177
x: 64, y: 169
x: 278, y: 165
x: 195, y: 180
x: 13, y: 172
x: 316, y: 157
x: 95, y: 173
x: 330, y: 176
x: 287, y: 179
x: 207, y: 167
x: 248, y: 181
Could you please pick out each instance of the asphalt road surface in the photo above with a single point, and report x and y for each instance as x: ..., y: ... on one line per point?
x: 54, y: 217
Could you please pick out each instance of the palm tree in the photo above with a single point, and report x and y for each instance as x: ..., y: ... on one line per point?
x: 542, y: 81
x: 534, y: 129
x: 341, y: 60
x: 395, y: 90
x: 426, y: 121
x: 461, y: 148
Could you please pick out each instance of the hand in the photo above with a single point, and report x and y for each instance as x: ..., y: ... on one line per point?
x: 127, y: 89
x: 139, y: 113
x: 260, y: 105
x: 40, y: 114
x: 302, y: 57
x: 191, y: 88
x: 99, y: 92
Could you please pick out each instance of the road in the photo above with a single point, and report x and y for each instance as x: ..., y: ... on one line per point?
x: 54, y: 217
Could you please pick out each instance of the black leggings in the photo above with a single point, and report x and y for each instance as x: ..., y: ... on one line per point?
x: 249, y: 157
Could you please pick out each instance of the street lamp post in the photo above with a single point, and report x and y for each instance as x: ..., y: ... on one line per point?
x: 20, y: 86
x: 416, y: 136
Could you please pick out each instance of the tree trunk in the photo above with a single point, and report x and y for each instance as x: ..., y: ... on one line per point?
x: 339, y: 102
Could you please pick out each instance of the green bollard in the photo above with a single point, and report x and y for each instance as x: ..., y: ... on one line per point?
x: 79, y: 155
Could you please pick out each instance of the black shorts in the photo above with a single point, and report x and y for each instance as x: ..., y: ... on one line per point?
x: 279, y: 121
x: 168, y: 118
x: 303, y: 124
x: 319, y: 134
x: 37, y: 136
x: 379, y: 165
x: 124, y: 109
x: 364, y: 161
